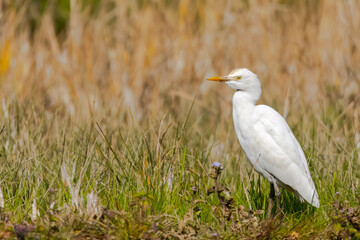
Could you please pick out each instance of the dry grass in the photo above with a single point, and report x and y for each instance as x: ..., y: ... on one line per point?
x: 135, y: 68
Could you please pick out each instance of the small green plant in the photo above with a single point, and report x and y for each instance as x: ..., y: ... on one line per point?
x: 226, y: 202
x: 236, y: 218
x: 345, y: 220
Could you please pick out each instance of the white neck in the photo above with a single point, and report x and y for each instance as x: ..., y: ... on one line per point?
x: 244, y: 99
x: 243, y: 105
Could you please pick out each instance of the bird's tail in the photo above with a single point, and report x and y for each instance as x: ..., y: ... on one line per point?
x: 309, y: 194
x: 315, y: 199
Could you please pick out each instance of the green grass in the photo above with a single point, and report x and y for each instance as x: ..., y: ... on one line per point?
x: 142, y: 174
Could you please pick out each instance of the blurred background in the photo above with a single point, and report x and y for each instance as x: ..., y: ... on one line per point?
x: 140, y: 58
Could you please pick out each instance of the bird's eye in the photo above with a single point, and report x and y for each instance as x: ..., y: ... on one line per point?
x: 238, y: 78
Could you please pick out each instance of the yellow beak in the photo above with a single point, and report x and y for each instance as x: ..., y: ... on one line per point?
x: 218, y: 79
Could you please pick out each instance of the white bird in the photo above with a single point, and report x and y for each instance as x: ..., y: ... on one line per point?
x: 267, y: 140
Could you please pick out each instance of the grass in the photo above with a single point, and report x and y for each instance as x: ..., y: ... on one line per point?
x: 107, y: 122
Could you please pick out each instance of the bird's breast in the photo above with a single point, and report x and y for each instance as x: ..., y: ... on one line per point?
x: 245, y: 132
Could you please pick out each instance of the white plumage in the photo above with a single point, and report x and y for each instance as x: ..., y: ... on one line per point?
x: 267, y: 140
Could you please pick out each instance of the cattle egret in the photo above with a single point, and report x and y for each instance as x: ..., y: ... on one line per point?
x: 267, y: 140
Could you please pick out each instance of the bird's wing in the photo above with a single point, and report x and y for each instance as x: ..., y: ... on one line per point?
x: 281, y: 154
x: 274, y: 127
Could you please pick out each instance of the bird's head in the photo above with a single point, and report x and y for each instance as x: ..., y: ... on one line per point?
x: 242, y: 79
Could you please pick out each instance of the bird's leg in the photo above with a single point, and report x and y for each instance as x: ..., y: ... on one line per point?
x: 278, y: 198
x: 271, y: 200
